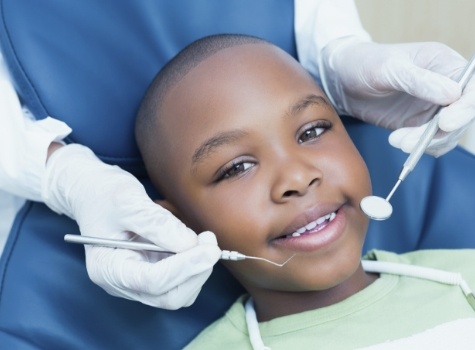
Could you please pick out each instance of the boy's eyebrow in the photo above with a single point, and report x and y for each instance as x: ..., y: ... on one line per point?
x: 221, y: 139
x: 307, y: 101
x: 230, y: 136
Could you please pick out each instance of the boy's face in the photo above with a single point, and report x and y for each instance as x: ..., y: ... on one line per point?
x: 258, y: 154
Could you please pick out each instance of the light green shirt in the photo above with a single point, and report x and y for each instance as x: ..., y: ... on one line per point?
x: 393, y: 307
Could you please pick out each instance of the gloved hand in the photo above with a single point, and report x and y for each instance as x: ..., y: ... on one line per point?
x: 110, y: 203
x: 398, y: 86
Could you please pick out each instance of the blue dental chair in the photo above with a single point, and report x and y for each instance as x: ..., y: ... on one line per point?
x: 89, y: 63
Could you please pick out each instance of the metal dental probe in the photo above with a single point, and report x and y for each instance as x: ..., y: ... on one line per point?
x: 115, y: 243
x: 378, y: 208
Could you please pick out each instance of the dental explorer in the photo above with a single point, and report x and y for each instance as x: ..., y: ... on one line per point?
x: 378, y: 208
x: 121, y: 244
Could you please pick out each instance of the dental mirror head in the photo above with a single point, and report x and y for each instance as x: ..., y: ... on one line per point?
x: 376, y: 208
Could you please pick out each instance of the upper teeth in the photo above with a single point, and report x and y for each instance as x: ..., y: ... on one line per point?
x: 313, y: 224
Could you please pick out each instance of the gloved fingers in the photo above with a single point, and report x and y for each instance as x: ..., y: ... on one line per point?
x: 183, y: 295
x: 153, y: 222
x: 127, y: 273
x: 442, y: 145
x: 422, y: 83
x: 454, y: 119
x: 207, y: 237
x: 460, y: 113
x: 407, y: 138
x: 137, y: 215
x: 186, y: 293
x: 183, y: 271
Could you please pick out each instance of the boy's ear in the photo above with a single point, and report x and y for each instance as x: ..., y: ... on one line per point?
x: 168, y: 206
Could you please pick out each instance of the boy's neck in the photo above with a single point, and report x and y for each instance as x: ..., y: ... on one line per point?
x: 271, y: 304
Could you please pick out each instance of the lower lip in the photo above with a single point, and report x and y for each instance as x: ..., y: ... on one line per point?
x: 315, y: 240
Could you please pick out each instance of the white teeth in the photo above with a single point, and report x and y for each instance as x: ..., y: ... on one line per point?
x: 313, y: 224
x: 321, y: 220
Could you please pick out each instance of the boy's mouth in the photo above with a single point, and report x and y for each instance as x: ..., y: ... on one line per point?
x: 315, y: 234
x: 313, y: 226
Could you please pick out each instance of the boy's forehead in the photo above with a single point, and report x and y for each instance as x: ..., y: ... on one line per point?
x: 233, y: 66
x: 242, y: 58
x: 231, y: 83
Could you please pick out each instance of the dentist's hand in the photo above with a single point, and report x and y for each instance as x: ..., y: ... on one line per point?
x: 110, y: 203
x: 397, y: 86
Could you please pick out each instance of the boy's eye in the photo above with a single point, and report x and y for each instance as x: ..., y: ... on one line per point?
x: 313, y: 131
x: 234, y: 169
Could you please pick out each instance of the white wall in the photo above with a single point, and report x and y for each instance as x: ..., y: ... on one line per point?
x: 450, y: 22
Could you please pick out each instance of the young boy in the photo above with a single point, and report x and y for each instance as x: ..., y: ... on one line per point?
x: 242, y: 142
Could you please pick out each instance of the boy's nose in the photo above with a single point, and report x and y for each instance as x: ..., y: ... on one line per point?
x: 295, y: 178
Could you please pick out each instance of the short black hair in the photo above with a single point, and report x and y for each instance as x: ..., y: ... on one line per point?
x: 148, y: 115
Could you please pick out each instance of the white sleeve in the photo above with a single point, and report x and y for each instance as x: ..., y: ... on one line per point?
x: 24, y: 142
x: 317, y: 22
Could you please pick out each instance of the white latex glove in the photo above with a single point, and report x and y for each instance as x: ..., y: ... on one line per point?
x: 108, y: 202
x: 398, y: 86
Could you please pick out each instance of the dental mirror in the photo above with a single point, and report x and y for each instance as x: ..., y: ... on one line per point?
x: 376, y: 208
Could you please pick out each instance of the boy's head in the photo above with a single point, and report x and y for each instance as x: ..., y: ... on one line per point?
x: 242, y: 142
